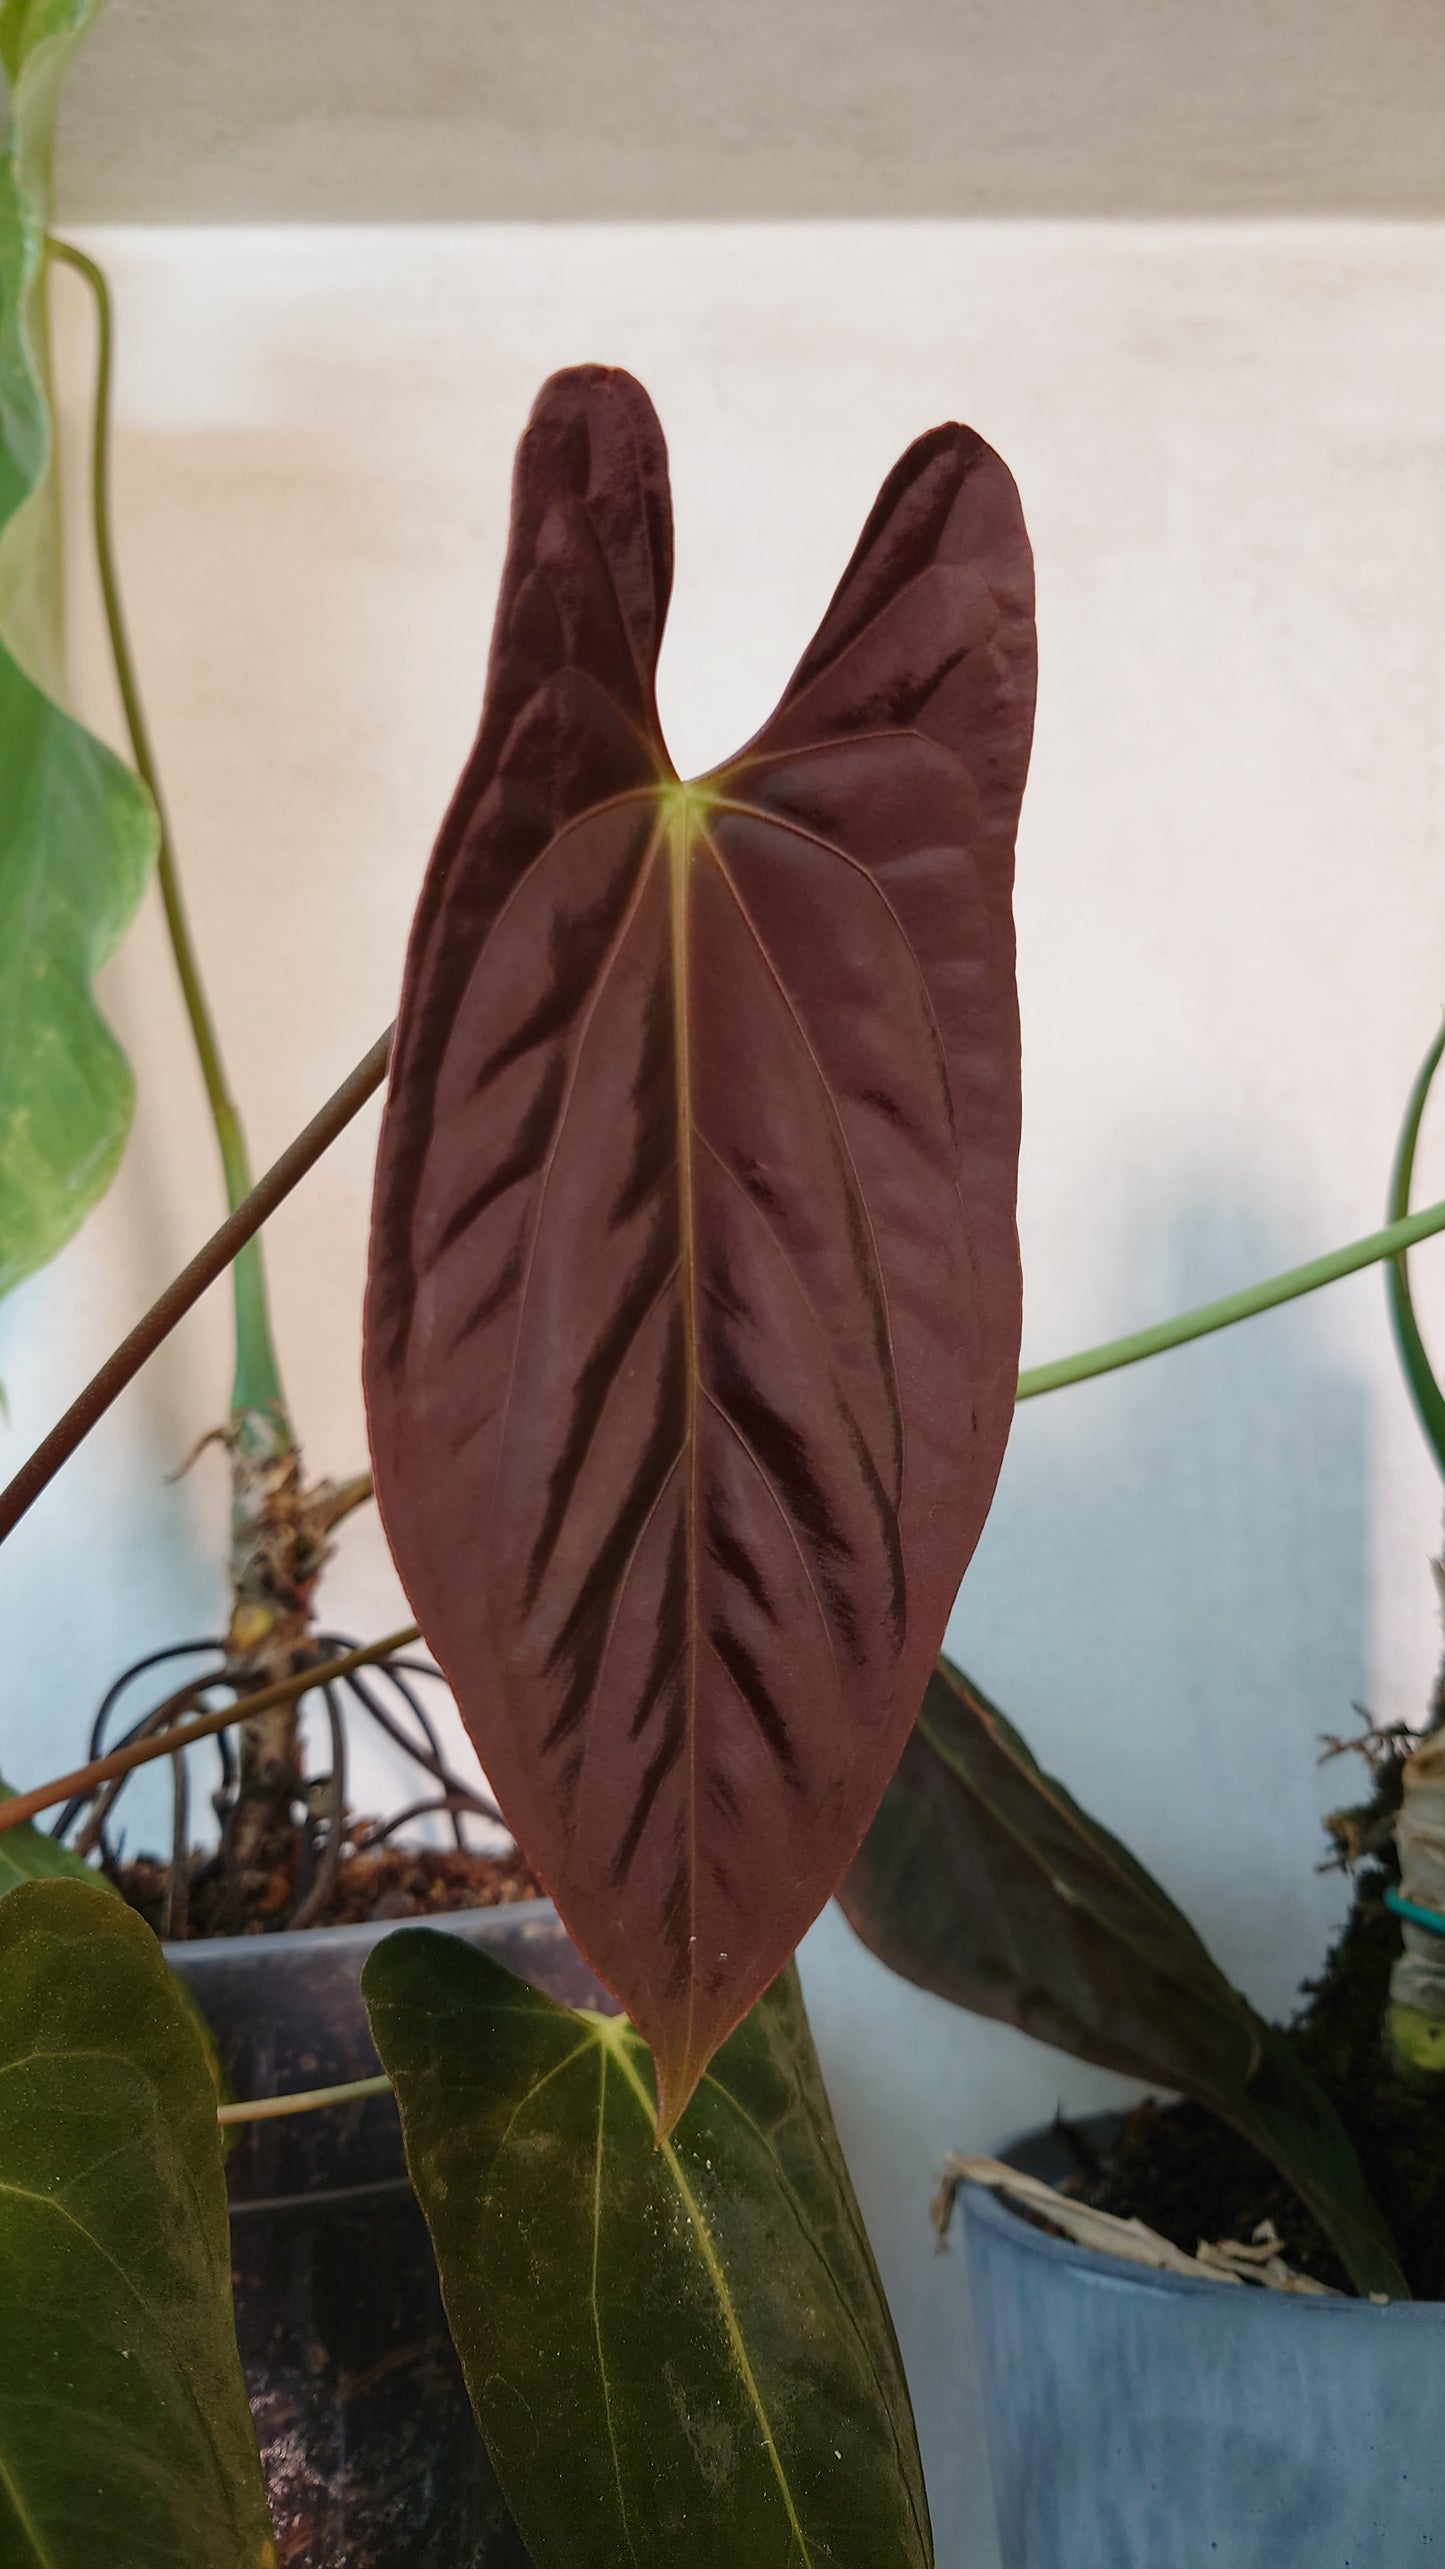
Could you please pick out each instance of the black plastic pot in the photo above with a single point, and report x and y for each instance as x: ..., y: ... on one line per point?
x: 371, y: 2453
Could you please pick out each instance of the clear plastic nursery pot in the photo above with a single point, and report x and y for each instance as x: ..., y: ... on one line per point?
x: 371, y: 2454
x: 1141, y: 2420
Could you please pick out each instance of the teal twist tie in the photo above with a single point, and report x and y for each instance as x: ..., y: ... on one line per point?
x: 1434, y: 1919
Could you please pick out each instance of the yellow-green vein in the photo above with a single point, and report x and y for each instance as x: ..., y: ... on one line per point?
x: 679, y: 877
x: 597, y: 2167
x: 24, y: 2518
x: 616, y: 2037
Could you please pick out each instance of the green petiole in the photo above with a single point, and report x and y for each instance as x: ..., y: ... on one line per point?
x: 305, y: 2100
x: 1419, y: 1373
x: 1208, y: 1316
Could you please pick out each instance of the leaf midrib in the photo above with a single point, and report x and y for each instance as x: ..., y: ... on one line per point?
x: 814, y: 2248
x: 613, y: 2033
x: 599, y: 2159
x: 680, y: 859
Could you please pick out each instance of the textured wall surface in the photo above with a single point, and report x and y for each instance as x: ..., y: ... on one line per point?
x: 1231, y: 444
x: 466, y: 110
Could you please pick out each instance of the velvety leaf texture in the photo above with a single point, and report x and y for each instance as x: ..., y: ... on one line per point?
x: 125, y: 2436
x: 676, y: 2353
x: 28, y: 1854
x: 693, y: 1314
x: 983, y: 1880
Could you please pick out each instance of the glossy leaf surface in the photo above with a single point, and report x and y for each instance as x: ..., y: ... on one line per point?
x: 676, y: 2353
x: 125, y: 2437
x: 983, y: 1880
x: 694, y: 1304
x: 77, y: 830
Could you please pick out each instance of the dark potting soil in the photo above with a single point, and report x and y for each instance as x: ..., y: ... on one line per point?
x: 1189, y: 2175
x: 377, y: 1882
x: 367, y: 2439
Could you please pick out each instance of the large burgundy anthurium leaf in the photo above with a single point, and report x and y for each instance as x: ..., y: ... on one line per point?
x: 693, y: 1315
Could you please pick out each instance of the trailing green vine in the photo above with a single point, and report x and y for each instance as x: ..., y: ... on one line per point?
x: 280, y: 1529
x: 258, y: 1402
x: 77, y: 829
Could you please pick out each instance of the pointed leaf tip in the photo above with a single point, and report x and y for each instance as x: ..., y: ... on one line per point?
x: 693, y: 1309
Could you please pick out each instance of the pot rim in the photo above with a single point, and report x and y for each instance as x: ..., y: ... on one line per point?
x: 989, y: 2211
x: 368, y: 1931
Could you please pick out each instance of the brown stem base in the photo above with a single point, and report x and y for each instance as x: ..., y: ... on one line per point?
x: 281, y: 1540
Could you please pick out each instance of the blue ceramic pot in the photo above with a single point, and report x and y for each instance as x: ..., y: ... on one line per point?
x: 1140, y: 2420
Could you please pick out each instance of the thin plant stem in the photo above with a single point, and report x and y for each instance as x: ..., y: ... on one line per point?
x: 140, y: 1752
x: 1415, y: 1363
x: 1208, y: 1316
x: 303, y: 2100
x: 257, y: 1387
x: 210, y: 1262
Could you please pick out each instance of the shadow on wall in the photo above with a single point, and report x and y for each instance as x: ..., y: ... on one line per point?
x: 112, y: 1561
x: 1171, y: 1597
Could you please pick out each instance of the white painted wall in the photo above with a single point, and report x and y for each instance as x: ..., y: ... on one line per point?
x: 1231, y: 444
x: 470, y: 110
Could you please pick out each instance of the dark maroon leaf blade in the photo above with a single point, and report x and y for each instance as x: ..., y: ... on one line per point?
x: 693, y: 1314
x: 983, y: 1880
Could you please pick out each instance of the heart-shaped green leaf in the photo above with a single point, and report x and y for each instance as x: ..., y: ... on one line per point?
x: 694, y: 1301
x: 676, y: 2352
x: 983, y: 1880
x: 125, y: 2437
x: 77, y: 829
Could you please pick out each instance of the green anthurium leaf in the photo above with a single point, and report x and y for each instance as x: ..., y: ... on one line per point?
x: 28, y: 1854
x: 1419, y: 1373
x: 676, y: 2351
x: 77, y: 829
x: 125, y: 2437
x: 983, y: 1880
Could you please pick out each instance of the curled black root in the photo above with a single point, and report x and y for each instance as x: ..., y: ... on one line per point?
x: 386, y: 1692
